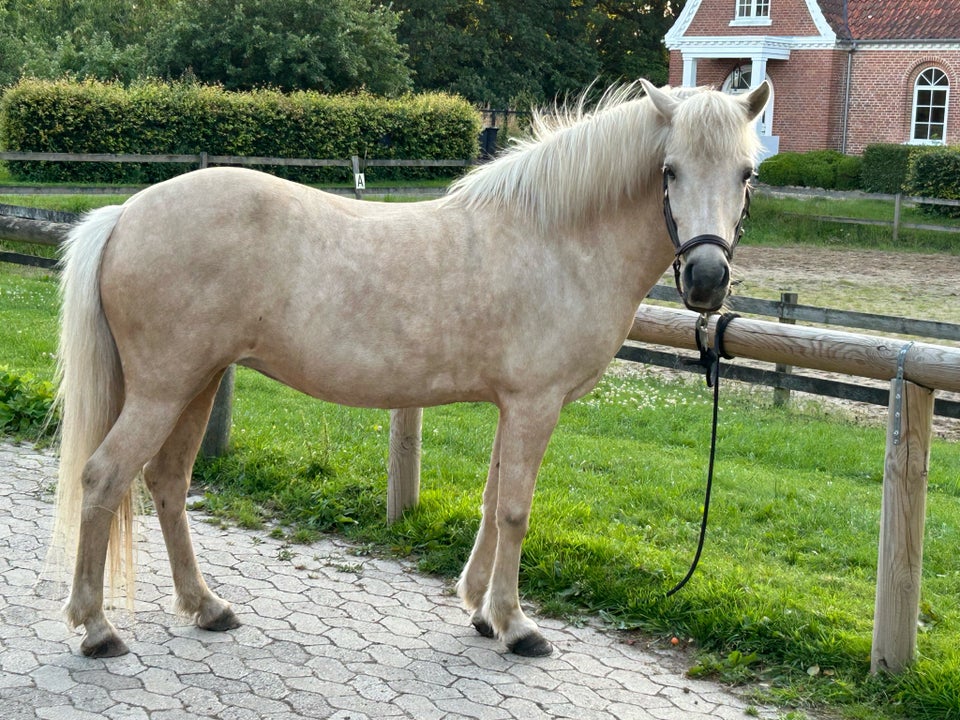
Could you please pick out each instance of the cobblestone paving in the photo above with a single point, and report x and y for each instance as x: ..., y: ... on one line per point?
x: 326, y: 634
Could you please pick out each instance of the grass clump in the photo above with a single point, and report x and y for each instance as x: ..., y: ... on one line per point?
x: 25, y: 404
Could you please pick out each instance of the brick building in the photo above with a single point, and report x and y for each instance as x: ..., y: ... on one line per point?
x: 845, y: 73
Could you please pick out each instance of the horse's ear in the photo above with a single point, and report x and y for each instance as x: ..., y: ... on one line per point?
x: 662, y: 101
x: 757, y: 99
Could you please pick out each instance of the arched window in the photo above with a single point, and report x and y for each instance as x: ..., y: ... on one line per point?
x: 739, y: 81
x: 930, y: 93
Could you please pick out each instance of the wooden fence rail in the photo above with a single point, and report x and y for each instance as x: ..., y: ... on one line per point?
x: 204, y: 159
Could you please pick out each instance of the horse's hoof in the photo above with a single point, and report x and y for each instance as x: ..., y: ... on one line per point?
x: 532, y: 645
x: 111, y: 647
x: 226, y: 620
x: 484, y: 628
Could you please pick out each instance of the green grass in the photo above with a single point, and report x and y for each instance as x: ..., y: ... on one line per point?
x: 67, y: 203
x: 789, y: 570
x: 780, y: 221
x: 787, y: 580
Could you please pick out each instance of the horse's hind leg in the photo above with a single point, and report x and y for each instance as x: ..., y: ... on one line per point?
x: 167, y: 476
x: 107, y: 476
x: 524, y: 431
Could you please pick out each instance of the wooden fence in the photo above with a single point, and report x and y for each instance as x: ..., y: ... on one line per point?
x: 203, y: 160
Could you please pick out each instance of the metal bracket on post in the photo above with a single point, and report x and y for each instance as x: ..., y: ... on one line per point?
x: 898, y: 393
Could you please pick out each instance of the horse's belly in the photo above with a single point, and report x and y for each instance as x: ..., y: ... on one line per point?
x: 364, y: 386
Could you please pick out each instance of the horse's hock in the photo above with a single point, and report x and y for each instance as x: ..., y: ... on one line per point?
x: 915, y: 370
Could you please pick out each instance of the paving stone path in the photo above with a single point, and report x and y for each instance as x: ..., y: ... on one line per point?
x: 327, y: 634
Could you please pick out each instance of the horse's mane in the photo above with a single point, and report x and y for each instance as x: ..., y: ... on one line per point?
x: 580, y: 160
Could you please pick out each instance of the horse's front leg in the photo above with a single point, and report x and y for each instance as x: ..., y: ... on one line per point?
x: 475, y: 578
x: 523, y: 433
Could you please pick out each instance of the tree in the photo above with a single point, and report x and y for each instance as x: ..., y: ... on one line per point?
x: 628, y: 36
x: 309, y: 44
x: 82, y: 38
x: 502, y: 52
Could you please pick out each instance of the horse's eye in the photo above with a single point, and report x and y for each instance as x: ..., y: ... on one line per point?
x: 748, y: 175
x: 669, y: 173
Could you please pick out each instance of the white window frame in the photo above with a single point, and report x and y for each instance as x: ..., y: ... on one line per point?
x: 751, y: 12
x: 929, y: 85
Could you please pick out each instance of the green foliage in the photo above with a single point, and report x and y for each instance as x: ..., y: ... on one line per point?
x: 25, y: 404
x: 490, y: 51
x: 885, y: 167
x: 83, y: 38
x: 827, y: 169
x: 510, y: 54
x: 346, y: 45
x: 848, y: 169
x: 310, y: 44
x: 154, y: 117
x: 935, y: 173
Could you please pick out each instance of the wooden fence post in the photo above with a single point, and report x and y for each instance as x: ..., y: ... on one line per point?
x: 902, y: 515
x: 781, y: 396
x: 216, y: 439
x: 403, y: 474
x: 897, y: 201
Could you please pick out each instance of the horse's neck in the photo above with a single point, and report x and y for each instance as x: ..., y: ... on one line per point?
x: 637, y: 243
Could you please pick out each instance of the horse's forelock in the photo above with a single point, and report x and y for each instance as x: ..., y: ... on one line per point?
x: 712, y: 126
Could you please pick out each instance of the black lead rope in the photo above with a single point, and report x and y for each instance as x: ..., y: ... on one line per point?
x: 710, y: 360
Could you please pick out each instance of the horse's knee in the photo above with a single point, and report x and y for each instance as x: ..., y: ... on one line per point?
x: 513, y: 522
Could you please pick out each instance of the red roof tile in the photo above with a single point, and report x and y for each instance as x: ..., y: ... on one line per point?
x: 893, y: 19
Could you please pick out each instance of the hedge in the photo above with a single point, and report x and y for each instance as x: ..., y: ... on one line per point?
x: 155, y: 118
x: 885, y: 167
x: 935, y: 173
x: 827, y: 169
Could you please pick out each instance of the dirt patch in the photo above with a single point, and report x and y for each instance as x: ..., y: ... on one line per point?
x: 915, y: 285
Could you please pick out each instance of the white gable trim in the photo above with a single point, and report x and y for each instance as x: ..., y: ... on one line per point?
x: 733, y: 46
x: 675, y: 37
x: 816, y: 14
x: 679, y: 28
x: 913, y: 46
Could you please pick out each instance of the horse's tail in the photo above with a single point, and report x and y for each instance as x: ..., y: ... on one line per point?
x: 89, y: 396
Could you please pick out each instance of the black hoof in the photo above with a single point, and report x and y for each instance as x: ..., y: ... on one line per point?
x: 112, y: 647
x: 532, y: 645
x: 484, y: 628
x: 224, y: 621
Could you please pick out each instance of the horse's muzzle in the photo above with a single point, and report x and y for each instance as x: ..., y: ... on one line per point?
x: 705, y: 282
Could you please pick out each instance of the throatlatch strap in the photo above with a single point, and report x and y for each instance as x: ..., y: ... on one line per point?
x: 710, y: 359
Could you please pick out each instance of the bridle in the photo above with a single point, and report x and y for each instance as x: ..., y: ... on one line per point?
x: 682, y: 248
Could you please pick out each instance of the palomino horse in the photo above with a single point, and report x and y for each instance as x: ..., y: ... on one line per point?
x: 517, y: 288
